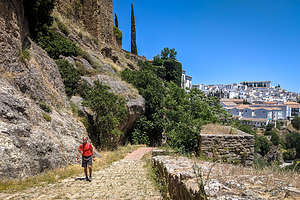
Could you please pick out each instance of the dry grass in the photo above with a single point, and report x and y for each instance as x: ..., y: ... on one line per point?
x: 152, y: 175
x: 268, y: 175
x: 116, y: 67
x: 53, y: 176
x: 218, y: 129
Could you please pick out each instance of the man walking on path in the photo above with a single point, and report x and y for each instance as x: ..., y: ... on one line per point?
x: 87, y: 153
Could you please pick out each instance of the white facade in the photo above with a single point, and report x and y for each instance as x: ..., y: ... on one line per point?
x: 186, y: 81
x: 199, y: 87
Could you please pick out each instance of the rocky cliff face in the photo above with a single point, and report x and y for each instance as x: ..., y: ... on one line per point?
x: 32, y: 140
x: 95, y: 15
x: 29, y: 143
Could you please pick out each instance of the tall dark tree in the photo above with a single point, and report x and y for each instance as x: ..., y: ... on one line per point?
x: 133, y: 33
x: 116, y: 21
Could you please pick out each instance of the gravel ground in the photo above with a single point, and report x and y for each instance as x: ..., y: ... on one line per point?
x: 124, y: 179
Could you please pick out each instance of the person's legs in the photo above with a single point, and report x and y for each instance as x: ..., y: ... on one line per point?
x: 90, y: 171
x: 85, y: 165
x: 85, y: 172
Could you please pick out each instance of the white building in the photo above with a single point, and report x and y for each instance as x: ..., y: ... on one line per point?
x: 259, y: 114
x: 186, y: 81
x: 199, y: 87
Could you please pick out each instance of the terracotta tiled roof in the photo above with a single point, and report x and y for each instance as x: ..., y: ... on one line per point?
x: 232, y: 100
x: 229, y: 103
x: 291, y: 103
x: 294, y: 106
x: 270, y: 102
x: 254, y: 119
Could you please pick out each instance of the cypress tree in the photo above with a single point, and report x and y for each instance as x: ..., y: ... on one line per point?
x: 116, y: 21
x: 133, y: 33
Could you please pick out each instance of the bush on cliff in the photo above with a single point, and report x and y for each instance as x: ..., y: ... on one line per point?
x: 110, y: 111
x: 69, y: 75
x: 57, y: 45
x: 292, y: 140
x: 296, y: 122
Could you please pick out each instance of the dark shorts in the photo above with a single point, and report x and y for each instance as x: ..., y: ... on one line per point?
x: 87, y: 160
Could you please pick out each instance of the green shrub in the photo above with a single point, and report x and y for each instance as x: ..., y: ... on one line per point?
x: 289, y: 154
x: 279, y: 124
x: 275, y: 139
x: 168, y: 54
x: 47, y: 117
x: 184, y: 136
x: 292, y: 140
x: 69, y: 75
x: 110, y: 111
x: 296, y: 122
x: 118, y: 34
x: 142, y: 131
x: 62, y: 27
x: 45, y: 107
x: 83, y: 88
x: 173, y: 71
x: 74, y: 109
x: 170, y: 109
x: 24, y: 55
x: 243, y: 127
x: 262, y: 145
x: 157, y: 61
x: 149, y: 86
x: 269, y: 127
x: 57, y: 45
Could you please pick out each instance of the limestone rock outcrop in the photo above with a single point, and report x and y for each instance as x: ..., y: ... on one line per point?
x: 31, y: 140
x: 95, y: 15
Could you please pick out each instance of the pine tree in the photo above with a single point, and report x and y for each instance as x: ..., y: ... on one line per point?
x: 116, y: 21
x: 133, y: 33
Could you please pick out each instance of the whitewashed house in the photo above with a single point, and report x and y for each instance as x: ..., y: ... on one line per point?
x: 186, y: 81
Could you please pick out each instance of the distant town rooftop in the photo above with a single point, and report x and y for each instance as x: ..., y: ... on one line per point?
x: 255, y: 82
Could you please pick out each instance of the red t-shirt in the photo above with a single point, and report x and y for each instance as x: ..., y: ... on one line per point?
x: 86, y: 148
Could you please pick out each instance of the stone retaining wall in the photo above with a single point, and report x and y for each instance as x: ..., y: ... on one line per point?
x: 178, y: 176
x: 221, y: 181
x: 235, y: 148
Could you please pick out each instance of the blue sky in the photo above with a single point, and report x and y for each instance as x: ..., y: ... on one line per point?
x: 221, y: 41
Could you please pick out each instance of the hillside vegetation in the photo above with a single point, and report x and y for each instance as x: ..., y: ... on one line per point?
x: 172, y: 117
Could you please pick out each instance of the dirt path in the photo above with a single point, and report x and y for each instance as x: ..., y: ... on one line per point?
x: 124, y: 179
